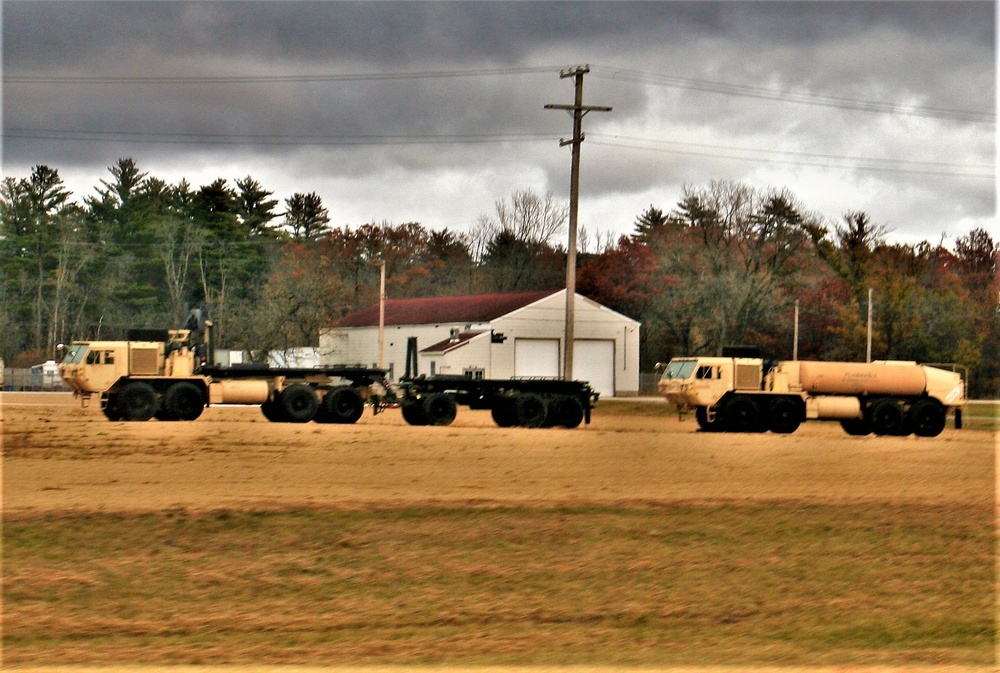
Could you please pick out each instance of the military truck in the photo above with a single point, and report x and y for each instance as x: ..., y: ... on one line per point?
x: 167, y: 375
x: 748, y: 394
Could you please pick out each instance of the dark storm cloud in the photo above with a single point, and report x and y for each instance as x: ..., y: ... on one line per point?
x: 909, y: 53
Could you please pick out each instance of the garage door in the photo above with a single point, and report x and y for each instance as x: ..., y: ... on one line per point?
x: 594, y: 361
x: 536, y: 357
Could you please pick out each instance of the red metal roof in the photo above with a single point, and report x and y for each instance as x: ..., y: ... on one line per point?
x: 468, y: 309
x: 450, y: 344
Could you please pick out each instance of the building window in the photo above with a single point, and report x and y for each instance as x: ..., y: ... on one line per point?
x: 474, y: 373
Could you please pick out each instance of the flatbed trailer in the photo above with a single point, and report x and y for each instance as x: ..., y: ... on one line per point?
x: 522, y: 402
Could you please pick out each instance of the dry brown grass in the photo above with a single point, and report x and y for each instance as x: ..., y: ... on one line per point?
x: 776, y: 583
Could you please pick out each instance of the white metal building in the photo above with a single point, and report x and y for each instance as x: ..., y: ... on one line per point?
x: 493, y: 336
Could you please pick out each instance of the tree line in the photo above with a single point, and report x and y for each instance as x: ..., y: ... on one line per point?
x: 725, y: 265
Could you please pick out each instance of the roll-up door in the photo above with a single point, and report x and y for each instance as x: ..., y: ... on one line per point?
x: 594, y: 361
x: 536, y: 357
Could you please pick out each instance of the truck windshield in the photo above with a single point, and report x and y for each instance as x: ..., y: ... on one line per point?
x: 75, y: 354
x: 679, y: 369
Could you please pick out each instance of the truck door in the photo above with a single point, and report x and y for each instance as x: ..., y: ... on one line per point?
x: 710, y: 383
x: 101, y: 370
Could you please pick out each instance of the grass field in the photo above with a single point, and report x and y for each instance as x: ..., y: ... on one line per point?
x: 631, y: 542
x: 772, y: 583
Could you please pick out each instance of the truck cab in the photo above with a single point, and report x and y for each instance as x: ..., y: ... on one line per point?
x: 690, y: 383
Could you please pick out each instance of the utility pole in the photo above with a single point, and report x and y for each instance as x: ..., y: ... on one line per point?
x: 577, y: 110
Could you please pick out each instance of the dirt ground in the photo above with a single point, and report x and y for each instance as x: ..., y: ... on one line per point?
x: 60, y: 456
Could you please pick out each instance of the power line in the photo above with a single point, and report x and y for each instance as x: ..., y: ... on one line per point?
x: 746, y: 91
x: 762, y: 155
x: 267, y: 139
x: 271, y: 79
x: 903, y: 166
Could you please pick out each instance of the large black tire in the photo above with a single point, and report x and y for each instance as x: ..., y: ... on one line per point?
x: 784, y: 416
x: 439, y: 409
x: 413, y: 413
x: 858, y: 427
x: 184, y: 401
x: 740, y: 414
x: 530, y: 410
x: 886, y: 417
x: 342, y: 404
x: 926, y: 418
x: 137, y: 401
x: 272, y: 410
x: 503, y: 412
x: 565, y: 411
x: 299, y: 403
x: 111, y: 409
x: 701, y: 416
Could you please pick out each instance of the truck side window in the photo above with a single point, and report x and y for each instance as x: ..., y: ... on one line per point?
x: 109, y: 357
x: 94, y: 357
x: 705, y: 372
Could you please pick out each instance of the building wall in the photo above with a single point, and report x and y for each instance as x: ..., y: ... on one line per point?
x: 543, y: 320
x: 359, y: 345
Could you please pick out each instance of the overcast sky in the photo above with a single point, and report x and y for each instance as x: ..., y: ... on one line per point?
x: 430, y: 112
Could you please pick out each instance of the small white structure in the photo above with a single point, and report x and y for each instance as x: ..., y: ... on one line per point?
x: 493, y: 336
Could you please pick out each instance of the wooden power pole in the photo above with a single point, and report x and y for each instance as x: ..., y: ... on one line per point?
x: 578, y: 110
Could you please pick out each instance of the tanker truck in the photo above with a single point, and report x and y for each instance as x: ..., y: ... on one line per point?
x: 748, y: 394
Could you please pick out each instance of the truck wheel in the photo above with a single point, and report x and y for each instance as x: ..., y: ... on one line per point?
x: 886, y: 417
x: 413, y: 413
x: 857, y: 427
x: 784, y: 416
x: 272, y: 411
x: 740, y: 414
x: 565, y: 411
x: 184, y: 401
x: 926, y: 418
x: 137, y: 401
x: 503, y: 412
x: 701, y: 416
x: 439, y: 409
x: 530, y: 410
x: 299, y: 403
x: 111, y: 409
x: 342, y: 404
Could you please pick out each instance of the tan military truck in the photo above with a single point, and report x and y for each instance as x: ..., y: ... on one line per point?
x: 746, y: 394
x: 167, y: 375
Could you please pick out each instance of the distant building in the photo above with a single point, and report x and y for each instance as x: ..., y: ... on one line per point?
x: 494, y: 336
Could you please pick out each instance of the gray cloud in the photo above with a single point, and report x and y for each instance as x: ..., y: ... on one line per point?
x: 907, y: 53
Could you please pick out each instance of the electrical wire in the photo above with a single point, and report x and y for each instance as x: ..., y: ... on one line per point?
x: 746, y: 91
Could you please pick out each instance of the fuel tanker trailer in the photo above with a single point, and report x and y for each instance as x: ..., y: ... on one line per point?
x: 747, y: 394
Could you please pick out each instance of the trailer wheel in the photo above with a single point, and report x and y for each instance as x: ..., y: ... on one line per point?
x: 272, y: 411
x: 886, y: 417
x: 184, y: 401
x: 565, y: 411
x: 299, y: 403
x: 439, y: 409
x: 740, y: 414
x: 503, y: 412
x: 111, y: 409
x: 413, y: 413
x: 137, y: 401
x: 926, y: 418
x: 784, y: 416
x: 531, y: 410
x: 342, y: 404
x: 857, y: 427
